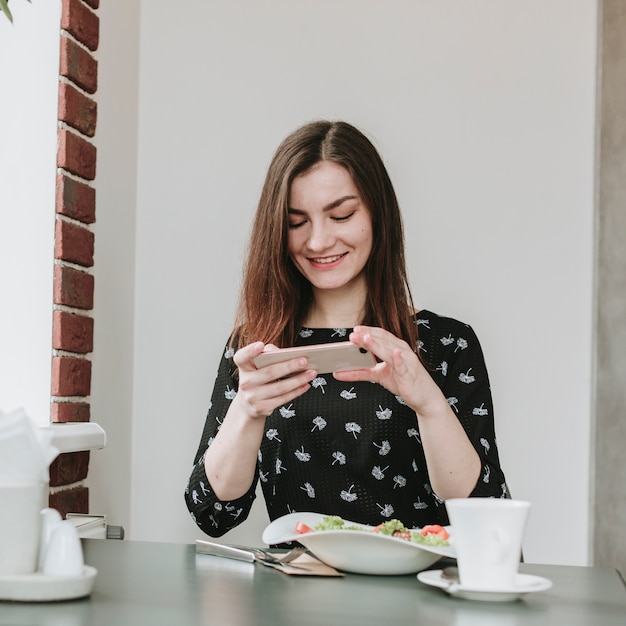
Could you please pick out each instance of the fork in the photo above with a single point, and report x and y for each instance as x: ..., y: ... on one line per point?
x: 279, y: 559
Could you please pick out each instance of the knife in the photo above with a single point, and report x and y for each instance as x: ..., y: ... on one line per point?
x: 220, y: 549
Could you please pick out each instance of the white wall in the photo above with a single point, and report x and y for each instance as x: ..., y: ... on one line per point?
x: 28, y: 141
x: 116, y: 183
x: 484, y: 113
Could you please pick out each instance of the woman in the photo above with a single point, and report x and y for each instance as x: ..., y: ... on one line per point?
x: 326, y: 263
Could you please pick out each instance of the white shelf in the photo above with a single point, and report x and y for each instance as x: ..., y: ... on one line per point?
x: 77, y: 436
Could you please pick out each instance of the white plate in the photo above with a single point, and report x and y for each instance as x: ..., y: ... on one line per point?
x: 41, y: 588
x: 524, y: 583
x: 353, y: 550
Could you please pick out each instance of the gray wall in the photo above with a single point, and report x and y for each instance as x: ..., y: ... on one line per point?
x: 610, y: 347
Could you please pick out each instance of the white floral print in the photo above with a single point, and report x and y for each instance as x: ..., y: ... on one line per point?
x: 327, y: 448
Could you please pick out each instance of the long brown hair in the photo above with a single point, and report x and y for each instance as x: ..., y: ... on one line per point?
x: 275, y: 297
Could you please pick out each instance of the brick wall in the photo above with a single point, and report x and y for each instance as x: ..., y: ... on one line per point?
x: 72, y: 325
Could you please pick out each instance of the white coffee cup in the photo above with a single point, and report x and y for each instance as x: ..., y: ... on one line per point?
x: 20, y: 526
x: 487, y: 534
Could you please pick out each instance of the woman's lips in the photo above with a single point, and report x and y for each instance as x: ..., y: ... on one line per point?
x: 327, y: 261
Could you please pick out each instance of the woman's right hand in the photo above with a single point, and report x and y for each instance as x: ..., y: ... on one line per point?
x: 262, y: 390
x: 230, y: 461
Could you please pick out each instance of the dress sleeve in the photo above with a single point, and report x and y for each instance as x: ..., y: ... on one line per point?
x: 216, y: 517
x: 462, y: 376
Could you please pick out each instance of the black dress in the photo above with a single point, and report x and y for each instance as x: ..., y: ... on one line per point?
x: 354, y: 449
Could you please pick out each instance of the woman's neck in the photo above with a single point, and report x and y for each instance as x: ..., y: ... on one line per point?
x: 331, y: 309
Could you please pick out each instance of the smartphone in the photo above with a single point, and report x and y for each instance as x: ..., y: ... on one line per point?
x: 323, y: 358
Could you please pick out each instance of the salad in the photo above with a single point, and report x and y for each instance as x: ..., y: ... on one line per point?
x: 430, y: 535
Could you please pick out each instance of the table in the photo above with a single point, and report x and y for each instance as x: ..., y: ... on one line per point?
x: 154, y: 584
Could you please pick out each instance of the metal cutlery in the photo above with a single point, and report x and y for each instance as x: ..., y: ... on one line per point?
x: 278, y: 558
x: 250, y: 555
x: 451, y: 574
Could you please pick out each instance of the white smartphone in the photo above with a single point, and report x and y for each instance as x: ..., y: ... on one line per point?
x: 323, y: 358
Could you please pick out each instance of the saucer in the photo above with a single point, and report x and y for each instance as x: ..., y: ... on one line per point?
x: 524, y: 583
x: 41, y: 588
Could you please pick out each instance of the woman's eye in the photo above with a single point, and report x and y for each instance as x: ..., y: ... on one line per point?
x: 343, y: 218
x: 295, y: 224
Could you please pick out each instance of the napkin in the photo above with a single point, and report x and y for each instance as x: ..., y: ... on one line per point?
x: 26, y: 450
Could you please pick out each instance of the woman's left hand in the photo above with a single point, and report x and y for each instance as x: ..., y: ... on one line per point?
x: 453, y: 463
x: 400, y: 371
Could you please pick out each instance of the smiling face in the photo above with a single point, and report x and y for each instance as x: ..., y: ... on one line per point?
x: 330, y: 229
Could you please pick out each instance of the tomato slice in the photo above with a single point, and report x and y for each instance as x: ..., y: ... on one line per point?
x: 435, y: 529
x: 302, y: 528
